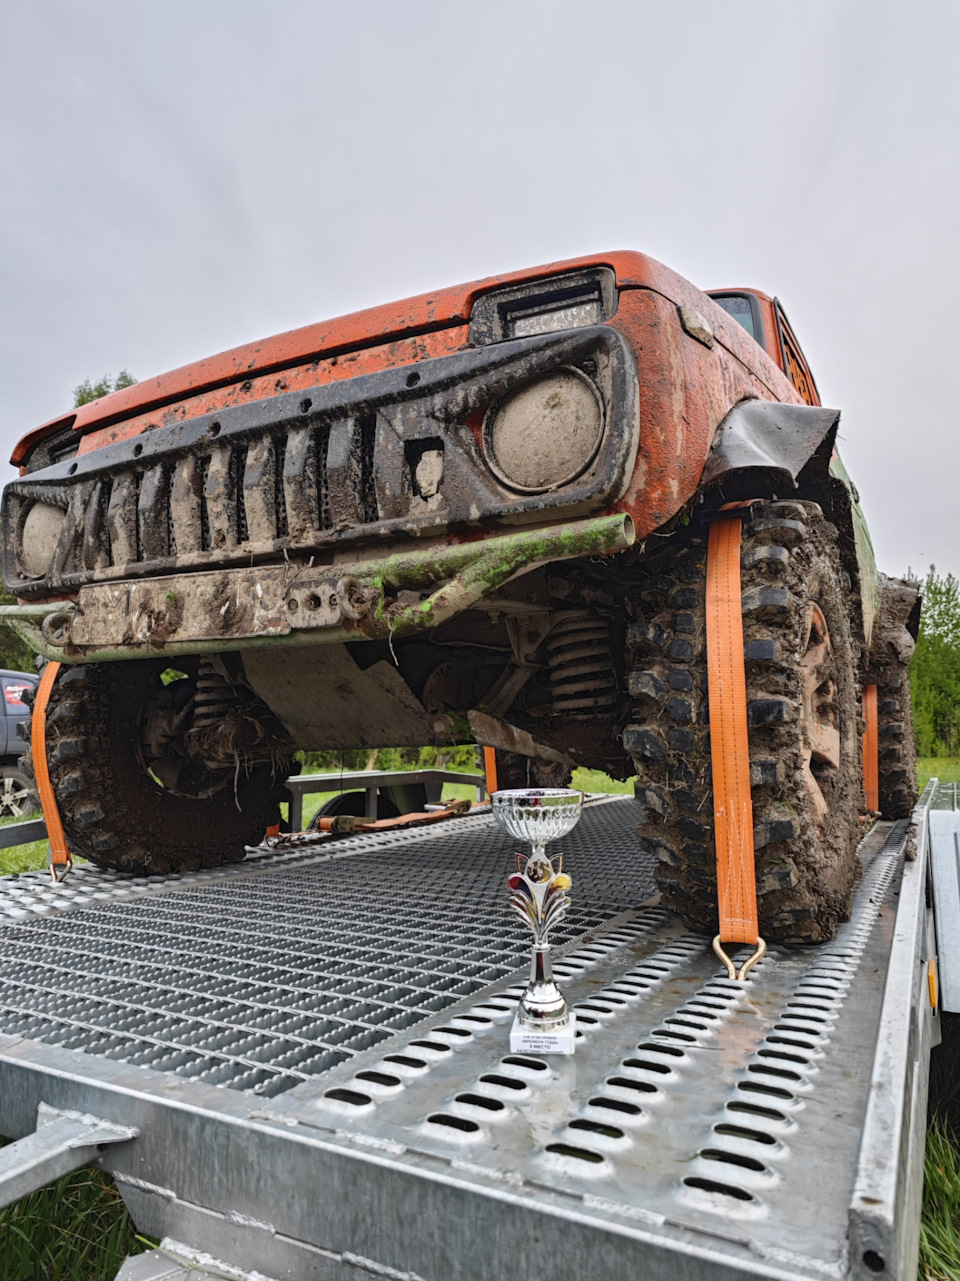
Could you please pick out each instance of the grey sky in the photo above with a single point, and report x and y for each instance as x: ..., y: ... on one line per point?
x: 179, y: 178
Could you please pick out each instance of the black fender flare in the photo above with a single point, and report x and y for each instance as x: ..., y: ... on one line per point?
x: 779, y: 440
x: 764, y: 448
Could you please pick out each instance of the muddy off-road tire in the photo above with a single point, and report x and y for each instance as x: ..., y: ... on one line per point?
x: 889, y: 668
x: 797, y: 641
x: 897, y: 749
x: 114, y: 811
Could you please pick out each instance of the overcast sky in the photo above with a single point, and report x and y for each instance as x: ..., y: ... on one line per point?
x: 181, y: 177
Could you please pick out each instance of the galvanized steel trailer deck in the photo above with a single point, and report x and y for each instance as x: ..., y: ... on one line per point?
x: 313, y: 1049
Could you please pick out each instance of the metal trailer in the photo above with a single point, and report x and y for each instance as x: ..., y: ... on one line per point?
x: 298, y: 1066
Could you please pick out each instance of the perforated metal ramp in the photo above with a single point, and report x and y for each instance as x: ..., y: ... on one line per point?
x: 316, y: 1055
x: 261, y: 982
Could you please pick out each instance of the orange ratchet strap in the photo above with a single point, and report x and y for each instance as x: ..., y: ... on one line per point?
x: 60, y: 860
x: 871, y: 749
x: 490, y: 769
x: 729, y: 745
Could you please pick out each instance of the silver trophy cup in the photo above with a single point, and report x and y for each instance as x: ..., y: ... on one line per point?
x: 539, y: 896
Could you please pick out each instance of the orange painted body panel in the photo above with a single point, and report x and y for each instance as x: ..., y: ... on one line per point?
x: 770, y: 344
x: 685, y: 387
x: 404, y: 351
x: 387, y: 332
x: 775, y: 327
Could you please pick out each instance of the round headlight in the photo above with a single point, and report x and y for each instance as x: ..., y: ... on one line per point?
x: 545, y: 433
x: 41, y: 532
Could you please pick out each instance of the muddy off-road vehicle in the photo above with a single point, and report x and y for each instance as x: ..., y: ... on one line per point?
x: 476, y: 516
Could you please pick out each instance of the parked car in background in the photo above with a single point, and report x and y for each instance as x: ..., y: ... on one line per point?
x: 17, y: 795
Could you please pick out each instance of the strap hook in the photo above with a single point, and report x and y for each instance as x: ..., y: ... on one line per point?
x: 747, y: 966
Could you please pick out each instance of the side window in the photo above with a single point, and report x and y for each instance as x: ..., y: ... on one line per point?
x: 794, y: 361
x: 13, y: 702
x: 745, y: 310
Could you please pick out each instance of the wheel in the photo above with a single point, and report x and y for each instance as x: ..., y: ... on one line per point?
x: 516, y: 771
x: 131, y: 794
x: 898, y: 753
x: 18, y: 799
x: 354, y: 803
x: 891, y: 651
x: 803, y: 716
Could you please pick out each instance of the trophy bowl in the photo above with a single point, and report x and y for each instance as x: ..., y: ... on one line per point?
x: 537, y: 814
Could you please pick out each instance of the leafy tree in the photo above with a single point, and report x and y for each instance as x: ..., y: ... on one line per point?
x: 15, y: 654
x: 88, y: 391
x: 331, y: 760
x: 935, y: 669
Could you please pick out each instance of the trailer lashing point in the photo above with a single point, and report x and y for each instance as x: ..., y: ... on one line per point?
x: 703, y: 1127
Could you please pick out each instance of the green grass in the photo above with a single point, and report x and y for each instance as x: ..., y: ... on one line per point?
x: 592, y: 780
x: 22, y: 858
x: 940, y: 1224
x: 945, y: 768
x: 78, y: 1229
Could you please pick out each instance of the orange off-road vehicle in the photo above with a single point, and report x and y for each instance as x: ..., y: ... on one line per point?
x: 479, y: 515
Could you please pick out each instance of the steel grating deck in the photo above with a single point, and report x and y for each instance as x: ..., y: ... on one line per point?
x: 376, y: 1124
x: 260, y: 982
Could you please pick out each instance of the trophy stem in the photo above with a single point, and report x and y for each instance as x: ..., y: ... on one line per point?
x: 542, y: 1005
x: 541, y: 971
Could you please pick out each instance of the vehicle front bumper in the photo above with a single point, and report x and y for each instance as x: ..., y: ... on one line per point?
x: 229, y: 609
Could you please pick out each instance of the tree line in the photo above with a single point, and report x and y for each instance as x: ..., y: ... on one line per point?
x: 935, y: 668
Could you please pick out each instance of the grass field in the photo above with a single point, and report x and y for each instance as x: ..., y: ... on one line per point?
x: 79, y: 1230
x: 945, y: 768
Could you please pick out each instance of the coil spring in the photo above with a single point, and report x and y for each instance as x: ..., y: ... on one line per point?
x: 215, y: 696
x: 582, y: 674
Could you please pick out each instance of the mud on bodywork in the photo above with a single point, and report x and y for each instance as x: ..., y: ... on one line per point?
x: 392, y: 455
x: 407, y: 592
x: 354, y: 513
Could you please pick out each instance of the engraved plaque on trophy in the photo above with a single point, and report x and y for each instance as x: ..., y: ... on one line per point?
x: 544, y: 1024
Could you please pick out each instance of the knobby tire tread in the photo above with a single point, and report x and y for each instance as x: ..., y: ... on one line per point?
x: 114, y: 813
x: 805, y: 871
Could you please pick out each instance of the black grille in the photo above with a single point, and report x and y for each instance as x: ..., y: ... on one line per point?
x: 298, y: 473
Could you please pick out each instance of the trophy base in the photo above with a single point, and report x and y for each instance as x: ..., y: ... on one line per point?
x: 556, y: 1040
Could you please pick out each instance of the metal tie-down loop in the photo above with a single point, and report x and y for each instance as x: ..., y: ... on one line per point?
x: 729, y: 744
